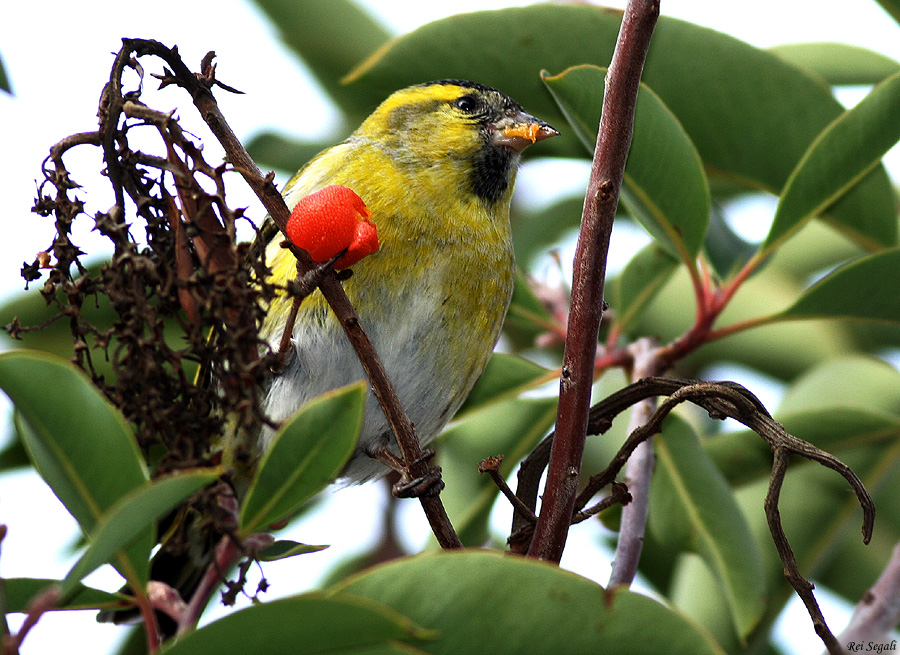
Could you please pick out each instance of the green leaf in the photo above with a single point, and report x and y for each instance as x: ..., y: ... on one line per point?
x: 4, y: 79
x: 285, y: 549
x: 20, y: 591
x: 725, y: 250
x: 331, y: 37
x: 892, y: 7
x: 527, y: 316
x: 687, y: 484
x: 13, y: 455
x: 511, y: 428
x: 519, y: 606
x: 850, y: 381
x: 282, y: 153
x: 665, y: 187
x: 842, y: 155
x: 534, y: 232
x: 132, y: 515
x: 79, y: 443
x: 866, y: 289
x: 308, y: 452
x: 750, y: 114
x: 504, y: 377
x: 308, y: 624
x: 839, y: 63
x: 640, y: 280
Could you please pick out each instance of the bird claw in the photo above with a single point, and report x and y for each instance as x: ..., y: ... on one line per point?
x: 424, y: 486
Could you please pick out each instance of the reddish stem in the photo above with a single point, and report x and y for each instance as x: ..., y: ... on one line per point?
x: 601, y: 201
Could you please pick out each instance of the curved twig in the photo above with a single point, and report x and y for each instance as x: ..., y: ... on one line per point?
x: 721, y: 400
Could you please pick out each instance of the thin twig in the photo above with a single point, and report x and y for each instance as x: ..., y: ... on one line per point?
x: 601, y: 201
x: 802, y: 586
x: 491, y: 466
x: 225, y: 555
x: 721, y: 400
x: 618, y: 496
x: 39, y: 605
x: 638, y: 477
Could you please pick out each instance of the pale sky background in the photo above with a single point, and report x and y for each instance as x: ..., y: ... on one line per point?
x: 58, y: 55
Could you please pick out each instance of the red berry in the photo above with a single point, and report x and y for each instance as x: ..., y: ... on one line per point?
x: 330, y: 220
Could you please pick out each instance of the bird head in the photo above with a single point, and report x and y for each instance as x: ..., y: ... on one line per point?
x: 466, y: 134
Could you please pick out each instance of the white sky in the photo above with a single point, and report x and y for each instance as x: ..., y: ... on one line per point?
x: 58, y: 54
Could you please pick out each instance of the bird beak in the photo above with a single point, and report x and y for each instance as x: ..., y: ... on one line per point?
x: 521, y: 130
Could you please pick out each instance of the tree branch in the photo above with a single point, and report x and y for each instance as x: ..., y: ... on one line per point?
x: 601, y: 201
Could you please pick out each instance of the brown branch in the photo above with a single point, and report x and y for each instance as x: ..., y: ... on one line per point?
x: 613, y: 143
x: 198, y: 86
x: 618, y: 496
x: 802, y: 586
x: 491, y: 466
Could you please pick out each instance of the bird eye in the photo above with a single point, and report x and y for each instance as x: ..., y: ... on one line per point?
x: 467, y: 104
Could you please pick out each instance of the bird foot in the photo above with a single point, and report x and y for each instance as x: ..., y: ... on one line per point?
x: 428, y: 485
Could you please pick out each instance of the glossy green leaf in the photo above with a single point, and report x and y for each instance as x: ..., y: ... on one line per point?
x: 842, y: 155
x: 21, y: 591
x: 504, y: 377
x: 519, y: 606
x: 305, y: 625
x: 850, y: 381
x: 839, y: 63
x: 640, y: 280
x: 79, y: 443
x: 308, y: 452
x: 285, y: 549
x: 132, y: 515
x: 534, y: 232
x: 688, y: 485
x: 725, y: 251
x: 695, y: 590
x: 511, y: 428
x: 4, y: 80
x: 866, y: 289
x: 750, y: 114
x: 276, y: 151
x: 892, y: 7
x: 331, y: 37
x: 527, y: 316
x: 665, y: 187
x: 13, y: 455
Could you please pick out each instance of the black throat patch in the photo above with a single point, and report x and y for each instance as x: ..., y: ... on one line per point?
x: 491, y: 171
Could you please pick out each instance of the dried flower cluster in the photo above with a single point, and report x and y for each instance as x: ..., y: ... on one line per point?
x: 187, y: 299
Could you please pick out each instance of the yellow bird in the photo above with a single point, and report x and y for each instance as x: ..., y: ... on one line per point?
x: 435, y: 163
